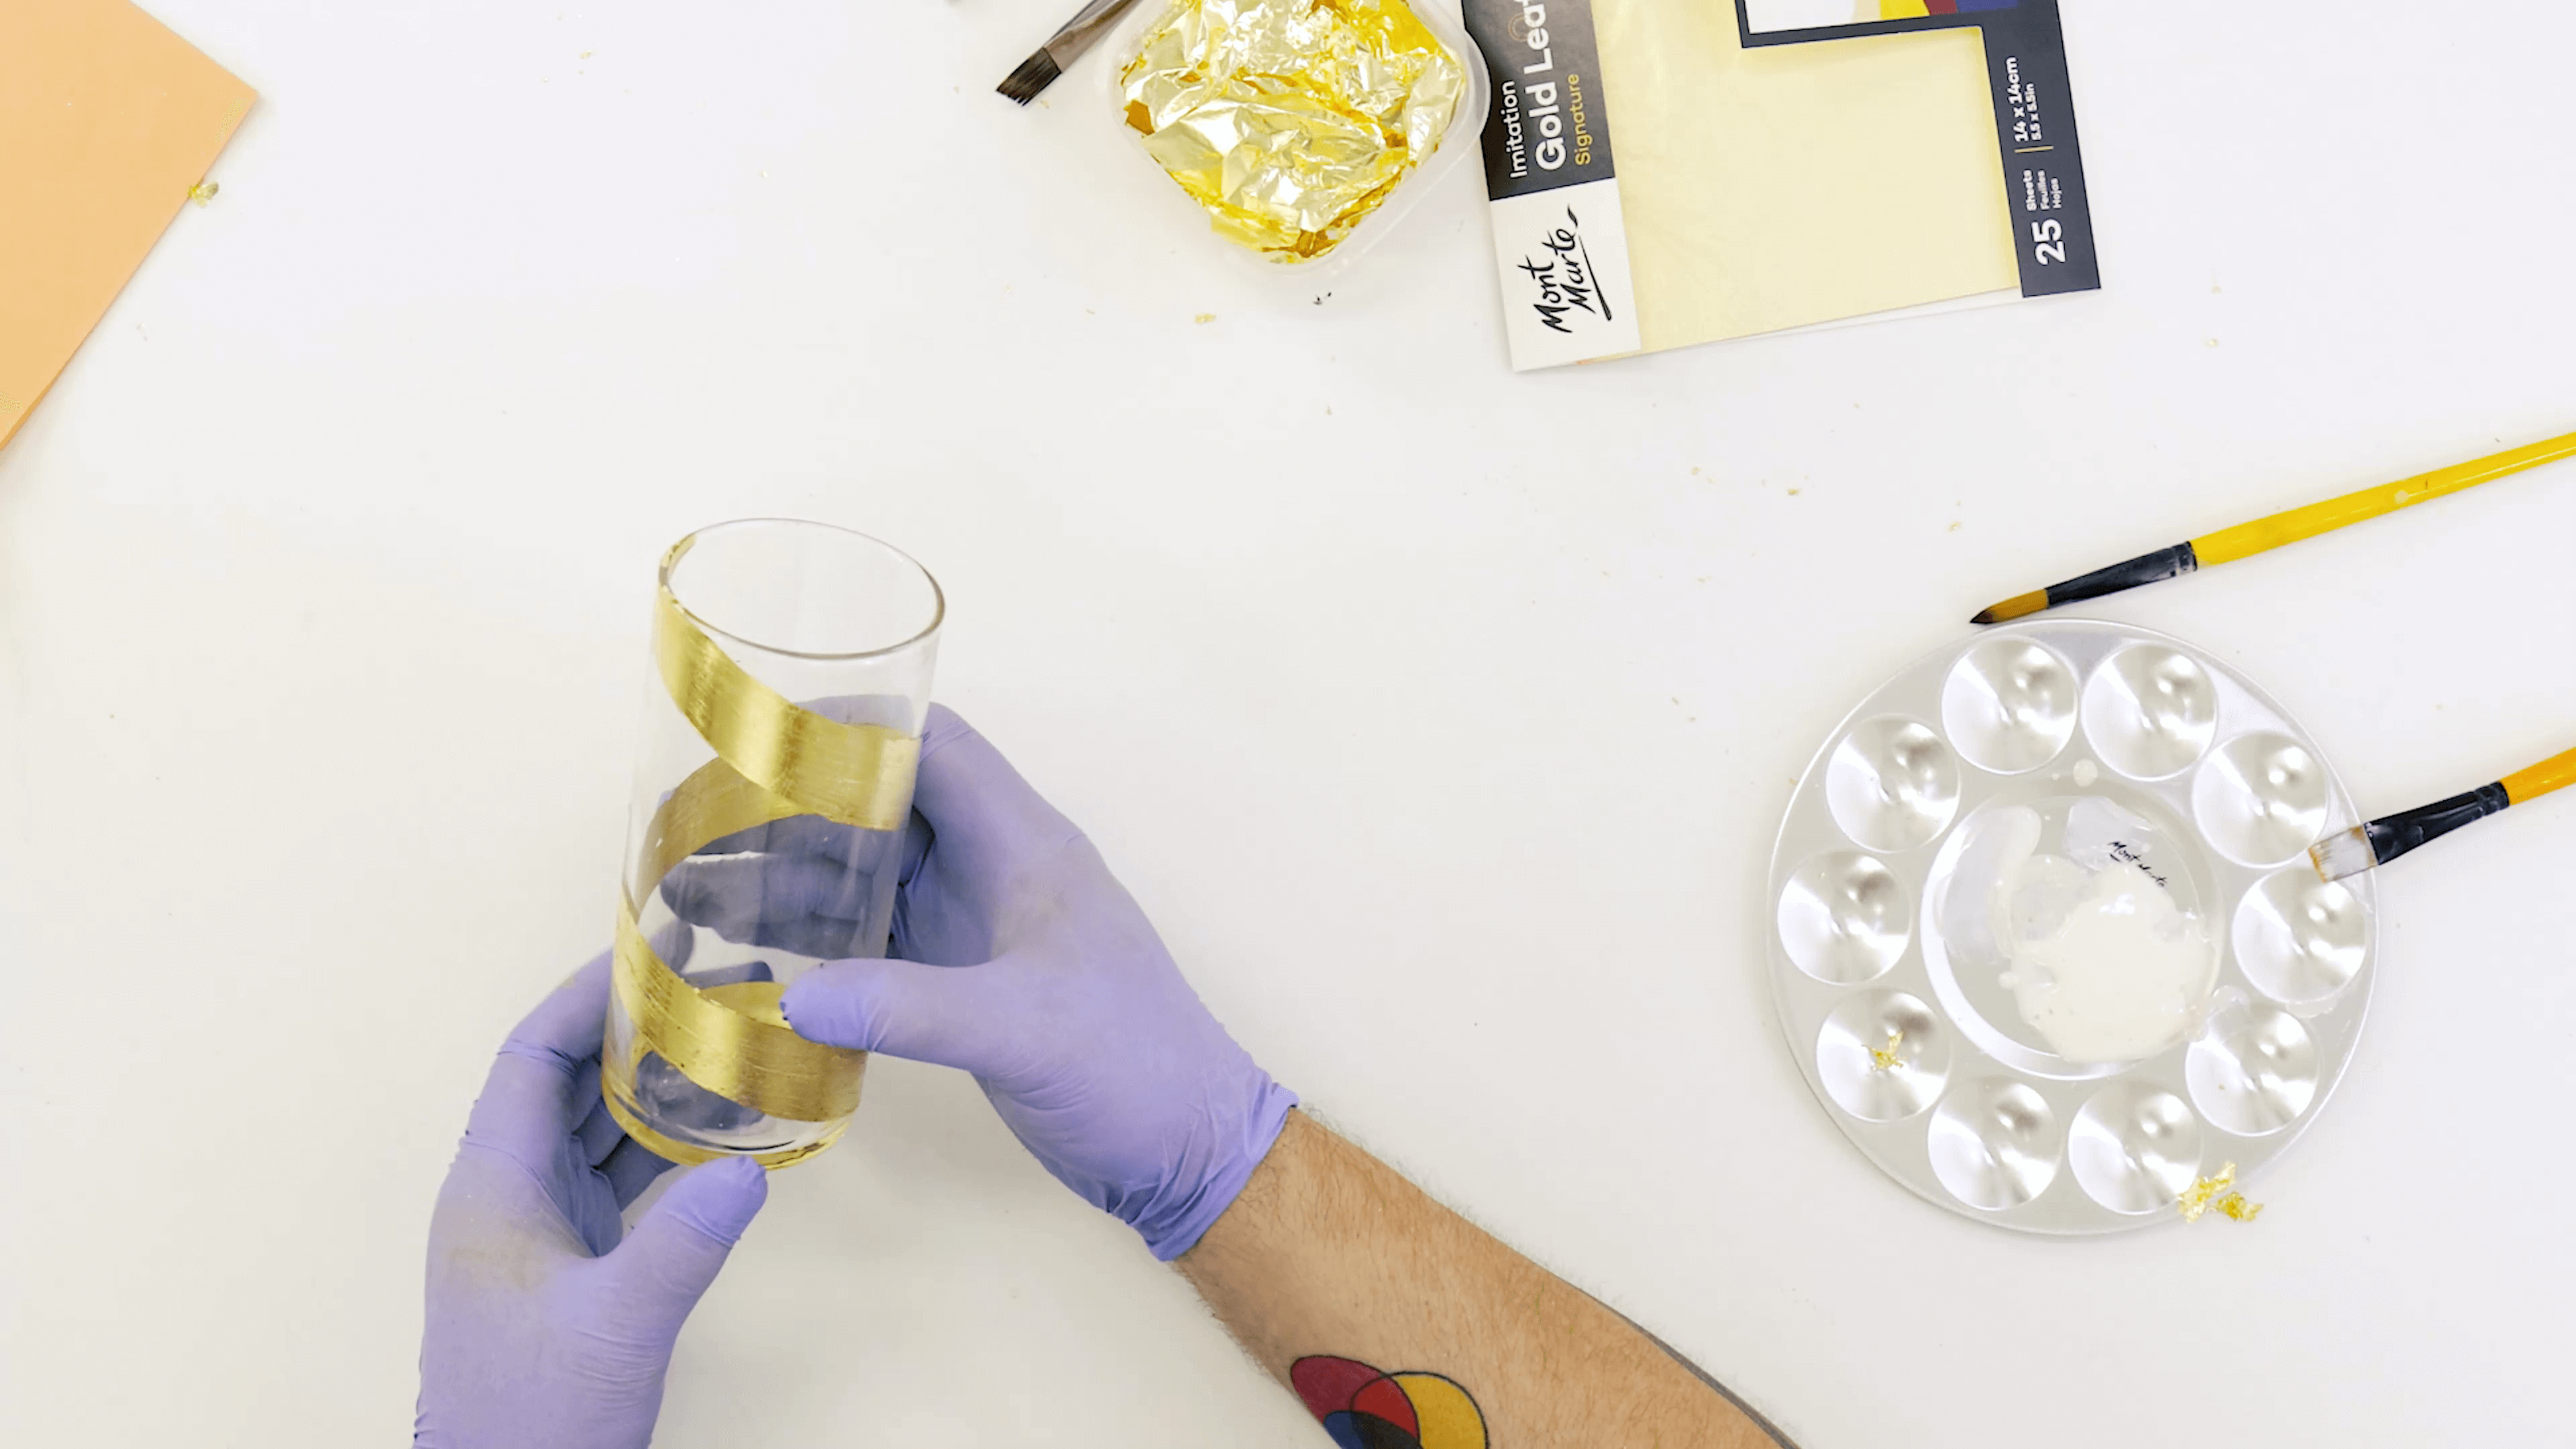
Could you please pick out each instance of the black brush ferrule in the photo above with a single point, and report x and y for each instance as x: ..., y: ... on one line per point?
x: 2146, y: 568
x: 2397, y: 834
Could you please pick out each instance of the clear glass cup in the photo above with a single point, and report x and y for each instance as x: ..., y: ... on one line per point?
x: 782, y: 723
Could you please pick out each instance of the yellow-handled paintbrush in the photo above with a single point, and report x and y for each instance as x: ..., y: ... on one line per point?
x: 2349, y: 852
x: 2230, y: 544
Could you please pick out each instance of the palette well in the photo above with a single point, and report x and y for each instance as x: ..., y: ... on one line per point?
x: 1904, y: 903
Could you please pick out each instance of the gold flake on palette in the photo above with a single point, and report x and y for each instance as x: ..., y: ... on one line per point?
x: 1885, y: 1059
x: 2196, y: 1199
x: 204, y: 191
x: 2213, y: 1192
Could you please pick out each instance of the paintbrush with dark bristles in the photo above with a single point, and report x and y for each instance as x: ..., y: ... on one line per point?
x: 2350, y: 852
x: 1062, y: 49
x: 2228, y: 544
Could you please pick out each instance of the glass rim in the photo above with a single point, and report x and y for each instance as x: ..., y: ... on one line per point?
x: 689, y: 541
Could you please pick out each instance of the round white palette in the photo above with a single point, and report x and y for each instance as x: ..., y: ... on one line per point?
x: 1899, y: 1002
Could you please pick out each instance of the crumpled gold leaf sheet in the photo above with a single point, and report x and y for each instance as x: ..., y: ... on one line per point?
x: 1290, y: 120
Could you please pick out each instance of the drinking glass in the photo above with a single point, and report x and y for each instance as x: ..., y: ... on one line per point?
x: 782, y: 727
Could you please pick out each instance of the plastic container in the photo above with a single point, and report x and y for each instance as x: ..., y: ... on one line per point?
x: 1457, y: 143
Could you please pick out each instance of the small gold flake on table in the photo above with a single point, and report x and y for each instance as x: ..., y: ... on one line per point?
x: 1885, y: 1059
x: 2213, y: 1192
x: 1204, y: 318
x: 204, y: 191
x: 1290, y: 121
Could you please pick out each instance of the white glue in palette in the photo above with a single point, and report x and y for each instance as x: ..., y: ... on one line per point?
x: 2045, y: 938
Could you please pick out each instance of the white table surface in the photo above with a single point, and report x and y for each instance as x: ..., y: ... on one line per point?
x: 1441, y: 718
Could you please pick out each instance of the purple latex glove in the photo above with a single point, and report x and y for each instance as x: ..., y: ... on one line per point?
x: 544, y: 1329
x: 1022, y: 961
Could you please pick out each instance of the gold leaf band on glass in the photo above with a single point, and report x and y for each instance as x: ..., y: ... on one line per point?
x: 774, y: 760
x: 856, y: 774
x: 731, y: 1040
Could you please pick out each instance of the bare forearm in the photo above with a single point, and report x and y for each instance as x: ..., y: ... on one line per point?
x: 1334, y: 1271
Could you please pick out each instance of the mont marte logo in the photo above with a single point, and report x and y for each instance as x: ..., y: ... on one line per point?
x: 1567, y: 291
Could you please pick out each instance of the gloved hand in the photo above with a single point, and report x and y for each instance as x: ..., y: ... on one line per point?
x: 1022, y: 961
x: 544, y: 1330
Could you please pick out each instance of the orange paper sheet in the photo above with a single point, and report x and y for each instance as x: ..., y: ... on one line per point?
x: 106, y: 120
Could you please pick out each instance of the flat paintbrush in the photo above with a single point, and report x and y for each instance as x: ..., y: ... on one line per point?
x: 2230, y: 544
x: 1062, y: 49
x: 2350, y: 852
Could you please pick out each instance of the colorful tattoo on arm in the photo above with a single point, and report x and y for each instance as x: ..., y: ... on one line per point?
x: 1365, y: 1408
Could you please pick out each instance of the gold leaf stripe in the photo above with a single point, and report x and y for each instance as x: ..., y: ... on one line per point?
x: 760, y: 1063
x: 857, y: 774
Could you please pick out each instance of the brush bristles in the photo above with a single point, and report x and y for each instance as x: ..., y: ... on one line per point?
x: 2013, y: 608
x: 2346, y: 852
x: 1034, y: 75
